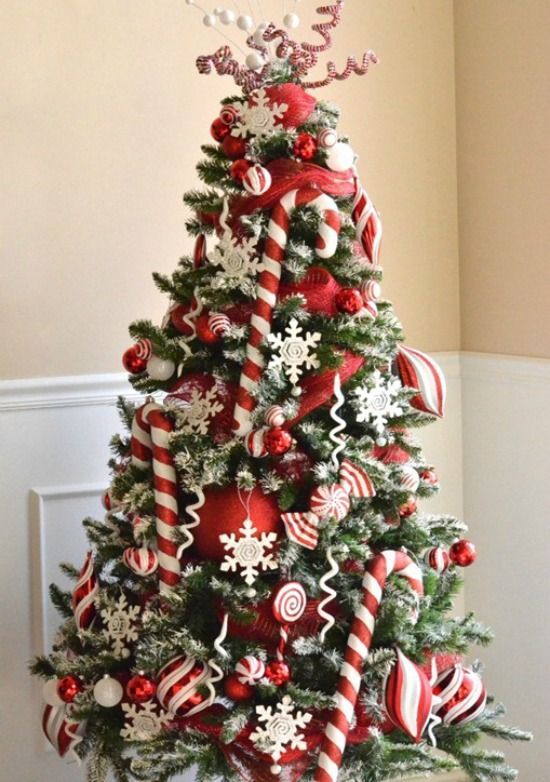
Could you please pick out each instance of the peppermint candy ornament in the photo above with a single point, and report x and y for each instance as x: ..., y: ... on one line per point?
x: 330, y: 501
x: 327, y: 138
x: 84, y: 594
x: 141, y: 561
x: 462, y: 693
x: 438, y: 559
x: 179, y: 684
x: 219, y: 324
x: 63, y: 733
x: 257, y: 180
x: 250, y: 670
x: 289, y: 602
x: 408, y: 697
x: 274, y: 416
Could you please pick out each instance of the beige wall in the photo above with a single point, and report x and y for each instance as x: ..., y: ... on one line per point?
x: 101, y: 121
x: 503, y: 109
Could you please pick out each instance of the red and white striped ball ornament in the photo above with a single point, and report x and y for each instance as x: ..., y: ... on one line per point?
x: 327, y: 138
x: 229, y: 114
x: 219, y: 324
x: 84, y: 594
x: 371, y: 290
x: 250, y: 670
x: 141, y: 561
x: 179, y: 684
x: 408, y: 697
x: 462, y: 693
x: 289, y: 602
x: 274, y: 416
x: 254, y: 443
x: 143, y: 349
x: 63, y: 733
x: 438, y: 559
x: 257, y: 180
x: 409, y: 478
x: 330, y: 502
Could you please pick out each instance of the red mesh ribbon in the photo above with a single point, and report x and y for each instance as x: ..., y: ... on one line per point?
x: 319, y: 289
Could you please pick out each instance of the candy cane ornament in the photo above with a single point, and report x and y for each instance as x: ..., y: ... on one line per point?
x: 151, y: 429
x: 357, y: 649
x: 268, y: 287
x: 367, y: 223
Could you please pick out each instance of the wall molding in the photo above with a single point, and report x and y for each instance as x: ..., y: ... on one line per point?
x: 503, y: 368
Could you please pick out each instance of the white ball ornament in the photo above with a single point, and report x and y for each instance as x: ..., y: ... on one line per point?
x: 227, y: 16
x: 209, y: 20
x: 244, y: 22
x: 340, y: 157
x: 49, y: 693
x: 160, y: 368
x: 254, y: 61
x: 291, y: 21
x: 258, y: 36
x: 108, y: 692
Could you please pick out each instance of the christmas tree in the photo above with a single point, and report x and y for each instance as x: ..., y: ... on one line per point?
x: 264, y: 600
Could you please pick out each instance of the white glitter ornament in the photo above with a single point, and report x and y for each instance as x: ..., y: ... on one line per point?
x: 294, y: 351
x: 209, y: 20
x: 248, y: 552
x: 340, y: 157
x: 291, y: 21
x: 244, y: 22
x: 281, y: 728
x: 227, y: 16
x: 108, y: 692
x: 375, y: 401
x: 254, y: 61
x: 160, y: 368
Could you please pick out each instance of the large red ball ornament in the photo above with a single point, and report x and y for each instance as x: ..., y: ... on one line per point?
x: 68, y: 688
x: 234, y: 148
x: 219, y: 129
x: 225, y: 510
x: 349, y: 300
x: 238, y: 169
x: 278, y: 672
x: 205, y: 332
x: 236, y: 690
x: 463, y: 553
x: 277, y: 441
x: 408, y: 508
x: 305, y: 146
x: 132, y: 362
x: 140, y: 689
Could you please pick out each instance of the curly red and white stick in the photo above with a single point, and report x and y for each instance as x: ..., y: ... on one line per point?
x: 151, y: 429
x: 357, y: 649
x: 268, y: 287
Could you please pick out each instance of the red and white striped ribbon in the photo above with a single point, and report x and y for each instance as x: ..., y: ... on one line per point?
x: 151, y: 430
x: 357, y: 649
x: 367, y: 224
x: 268, y: 287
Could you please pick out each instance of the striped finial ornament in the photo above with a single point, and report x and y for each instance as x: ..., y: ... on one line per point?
x: 179, y: 684
x: 268, y: 287
x: 63, y: 733
x: 141, y: 561
x: 367, y: 224
x: 84, y: 594
x: 357, y: 649
x: 462, y: 693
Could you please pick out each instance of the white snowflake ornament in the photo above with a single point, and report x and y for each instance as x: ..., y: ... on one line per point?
x: 281, y: 728
x: 376, y: 401
x: 295, y: 351
x: 142, y: 721
x: 195, y: 413
x: 258, y: 117
x: 237, y: 257
x: 249, y: 552
x: 121, y: 620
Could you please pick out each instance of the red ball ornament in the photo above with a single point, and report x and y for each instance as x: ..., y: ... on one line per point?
x: 234, y: 148
x: 463, y: 553
x: 204, y: 330
x: 224, y: 512
x: 68, y: 688
x: 277, y: 441
x: 236, y: 690
x: 219, y: 129
x: 408, y: 508
x: 278, y: 672
x: 305, y: 146
x: 238, y: 169
x: 106, y: 500
x: 140, y: 689
x: 430, y: 477
x: 349, y: 300
x: 132, y: 362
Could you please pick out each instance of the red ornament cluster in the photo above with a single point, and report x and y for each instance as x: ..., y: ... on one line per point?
x: 277, y: 441
x: 305, y: 146
x: 68, y: 688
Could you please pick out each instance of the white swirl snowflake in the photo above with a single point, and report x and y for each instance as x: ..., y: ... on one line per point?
x: 142, y: 722
x: 295, y: 350
x: 248, y: 552
x: 258, y: 118
x: 376, y: 401
x: 120, y: 619
x: 195, y: 413
x: 282, y: 728
x: 237, y: 257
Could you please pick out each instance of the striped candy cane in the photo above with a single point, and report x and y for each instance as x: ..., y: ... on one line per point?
x: 268, y: 287
x: 357, y: 649
x: 151, y: 430
x: 367, y: 223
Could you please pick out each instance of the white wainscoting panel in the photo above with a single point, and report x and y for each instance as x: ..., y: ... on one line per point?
x: 55, y: 434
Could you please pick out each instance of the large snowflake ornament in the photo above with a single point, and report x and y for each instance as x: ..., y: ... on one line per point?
x: 120, y: 620
x: 237, y: 257
x: 258, y: 117
x: 249, y: 552
x: 295, y: 351
x: 376, y: 401
x: 142, y: 721
x: 195, y: 413
x: 281, y: 730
